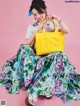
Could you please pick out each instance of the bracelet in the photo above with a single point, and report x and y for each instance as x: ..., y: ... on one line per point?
x: 59, y: 21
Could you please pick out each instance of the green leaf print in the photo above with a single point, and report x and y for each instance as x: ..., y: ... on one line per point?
x: 30, y: 66
x: 31, y: 91
x: 26, y: 72
x: 38, y: 85
x: 62, y: 76
x: 44, y: 78
x: 65, y: 63
x: 69, y: 97
x: 38, y: 92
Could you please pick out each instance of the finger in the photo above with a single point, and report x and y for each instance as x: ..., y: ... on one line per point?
x: 43, y: 25
x: 54, y: 16
x: 44, y: 21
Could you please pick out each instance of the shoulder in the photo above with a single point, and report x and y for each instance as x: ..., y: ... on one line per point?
x: 30, y: 26
x: 33, y: 26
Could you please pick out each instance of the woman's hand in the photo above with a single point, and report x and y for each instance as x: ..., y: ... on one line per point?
x: 50, y: 17
x: 42, y: 24
x: 64, y: 28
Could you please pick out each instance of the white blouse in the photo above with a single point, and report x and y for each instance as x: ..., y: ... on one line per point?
x: 49, y: 26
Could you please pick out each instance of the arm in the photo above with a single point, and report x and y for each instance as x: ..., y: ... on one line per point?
x: 31, y: 39
x: 64, y: 28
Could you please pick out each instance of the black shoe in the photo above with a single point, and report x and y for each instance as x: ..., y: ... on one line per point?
x: 27, y: 103
x: 48, y: 97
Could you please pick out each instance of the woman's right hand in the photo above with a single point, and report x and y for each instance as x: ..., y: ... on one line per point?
x: 41, y: 26
x: 31, y: 40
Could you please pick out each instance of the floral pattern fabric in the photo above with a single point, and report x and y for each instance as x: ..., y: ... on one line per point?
x: 47, y: 75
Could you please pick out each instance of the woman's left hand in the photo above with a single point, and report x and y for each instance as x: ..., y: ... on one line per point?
x: 54, y: 17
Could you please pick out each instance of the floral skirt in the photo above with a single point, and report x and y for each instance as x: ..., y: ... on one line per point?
x: 46, y: 75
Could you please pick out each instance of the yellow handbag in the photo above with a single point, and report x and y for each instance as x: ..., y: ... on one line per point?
x: 47, y: 42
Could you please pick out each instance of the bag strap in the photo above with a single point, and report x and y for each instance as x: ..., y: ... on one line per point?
x: 55, y: 27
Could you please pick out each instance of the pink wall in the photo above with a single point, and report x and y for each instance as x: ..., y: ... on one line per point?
x: 13, y: 26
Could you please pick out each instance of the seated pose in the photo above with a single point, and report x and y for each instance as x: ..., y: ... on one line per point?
x: 46, y: 75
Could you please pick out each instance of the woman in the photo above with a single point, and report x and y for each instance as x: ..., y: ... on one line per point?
x: 41, y: 75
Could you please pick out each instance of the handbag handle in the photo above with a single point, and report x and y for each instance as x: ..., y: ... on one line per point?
x: 43, y: 30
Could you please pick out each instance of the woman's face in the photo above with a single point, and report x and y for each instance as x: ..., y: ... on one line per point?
x: 39, y: 17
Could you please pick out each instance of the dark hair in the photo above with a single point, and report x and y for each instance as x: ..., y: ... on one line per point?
x: 39, y: 5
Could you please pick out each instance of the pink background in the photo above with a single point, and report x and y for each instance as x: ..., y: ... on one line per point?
x: 14, y: 21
